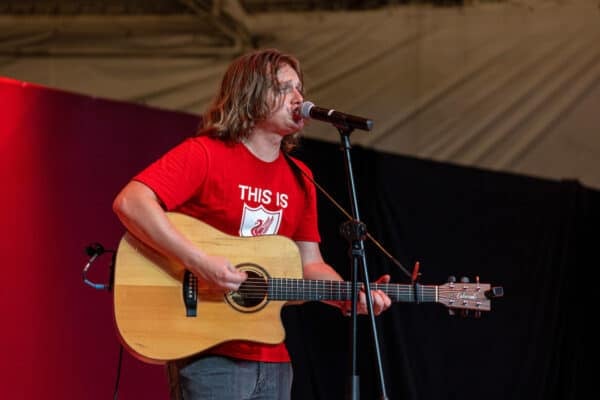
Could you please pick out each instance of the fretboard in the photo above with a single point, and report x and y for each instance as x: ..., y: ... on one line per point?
x: 303, y: 289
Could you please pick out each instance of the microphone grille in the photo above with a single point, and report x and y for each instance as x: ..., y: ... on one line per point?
x: 305, y: 109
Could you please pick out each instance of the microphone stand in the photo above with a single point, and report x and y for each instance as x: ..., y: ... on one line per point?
x: 355, y: 232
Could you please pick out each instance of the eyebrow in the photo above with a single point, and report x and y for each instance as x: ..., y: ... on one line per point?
x: 289, y: 82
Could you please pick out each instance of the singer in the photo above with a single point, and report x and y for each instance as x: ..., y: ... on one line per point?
x: 252, y: 124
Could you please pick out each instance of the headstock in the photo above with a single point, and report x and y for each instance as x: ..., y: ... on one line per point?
x: 465, y: 296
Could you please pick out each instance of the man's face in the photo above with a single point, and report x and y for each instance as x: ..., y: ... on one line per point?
x: 285, y: 119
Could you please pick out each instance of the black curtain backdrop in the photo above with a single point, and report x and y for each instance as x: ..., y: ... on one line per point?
x: 533, y: 237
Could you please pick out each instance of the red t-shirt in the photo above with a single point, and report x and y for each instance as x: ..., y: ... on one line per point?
x: 229, y: 188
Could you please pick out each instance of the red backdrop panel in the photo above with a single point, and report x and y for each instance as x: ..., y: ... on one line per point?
x: 63, y: 158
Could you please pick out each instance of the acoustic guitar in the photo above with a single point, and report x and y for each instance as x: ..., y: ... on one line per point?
x: 163, y: 312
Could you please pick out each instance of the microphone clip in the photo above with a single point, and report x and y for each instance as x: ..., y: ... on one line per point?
x: 95, y: 250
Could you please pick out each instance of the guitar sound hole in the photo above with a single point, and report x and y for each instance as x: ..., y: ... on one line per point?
x: 252, y: 293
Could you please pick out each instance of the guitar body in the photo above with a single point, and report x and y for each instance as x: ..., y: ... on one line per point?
x: 149, y: 305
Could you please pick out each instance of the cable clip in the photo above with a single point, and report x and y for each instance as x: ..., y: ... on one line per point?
x: 95, y: 250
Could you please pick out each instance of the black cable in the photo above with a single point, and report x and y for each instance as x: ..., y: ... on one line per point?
x: 118, y: 378
x: 95, y: 250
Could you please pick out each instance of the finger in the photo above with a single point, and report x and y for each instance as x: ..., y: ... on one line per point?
x: 378, y: 302
x: 386, y: 302
x: 236, y: 275
x: 383, y: 302
x: 375, y: 302
x: 362, y: 303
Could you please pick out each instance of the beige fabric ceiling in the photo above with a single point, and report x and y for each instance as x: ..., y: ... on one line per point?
x: 511, y: 86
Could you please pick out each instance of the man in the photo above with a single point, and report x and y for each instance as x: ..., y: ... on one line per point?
x: 236, y: 176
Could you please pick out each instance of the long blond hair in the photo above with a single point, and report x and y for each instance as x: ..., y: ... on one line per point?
x: 243, y: 97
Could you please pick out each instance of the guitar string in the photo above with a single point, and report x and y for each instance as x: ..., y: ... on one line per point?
x: 258, y: 287
x: 442, y: 296
x: 424, y: 298
x: 316, y: 284
x: 331, y: 283
x: 300, y: 280
x: 349, y: 291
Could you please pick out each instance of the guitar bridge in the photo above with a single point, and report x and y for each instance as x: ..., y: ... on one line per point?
x: 190, y: 293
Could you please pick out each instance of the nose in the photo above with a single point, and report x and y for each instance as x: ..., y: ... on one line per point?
x: 298, y: 97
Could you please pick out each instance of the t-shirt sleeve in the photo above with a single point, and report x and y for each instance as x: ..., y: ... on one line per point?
x: 178, y: 174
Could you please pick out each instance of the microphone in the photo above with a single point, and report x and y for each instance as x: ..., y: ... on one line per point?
x: 339, y: 119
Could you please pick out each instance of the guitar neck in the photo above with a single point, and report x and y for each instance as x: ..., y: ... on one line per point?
x: 317, y: 290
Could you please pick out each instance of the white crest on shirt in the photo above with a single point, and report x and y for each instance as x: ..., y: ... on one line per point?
x: 259, y: 221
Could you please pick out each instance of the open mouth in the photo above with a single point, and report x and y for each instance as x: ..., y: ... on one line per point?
x: 296, y: 116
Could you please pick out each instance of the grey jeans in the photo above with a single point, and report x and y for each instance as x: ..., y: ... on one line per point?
x: 222, y: 378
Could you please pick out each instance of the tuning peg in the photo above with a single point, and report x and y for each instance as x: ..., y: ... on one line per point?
x: 451, y: 312
x: 496, y: 291
x: 464, y: 279
x: 477, y: 314
x: 464, y: 313
x: 451, y: 279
